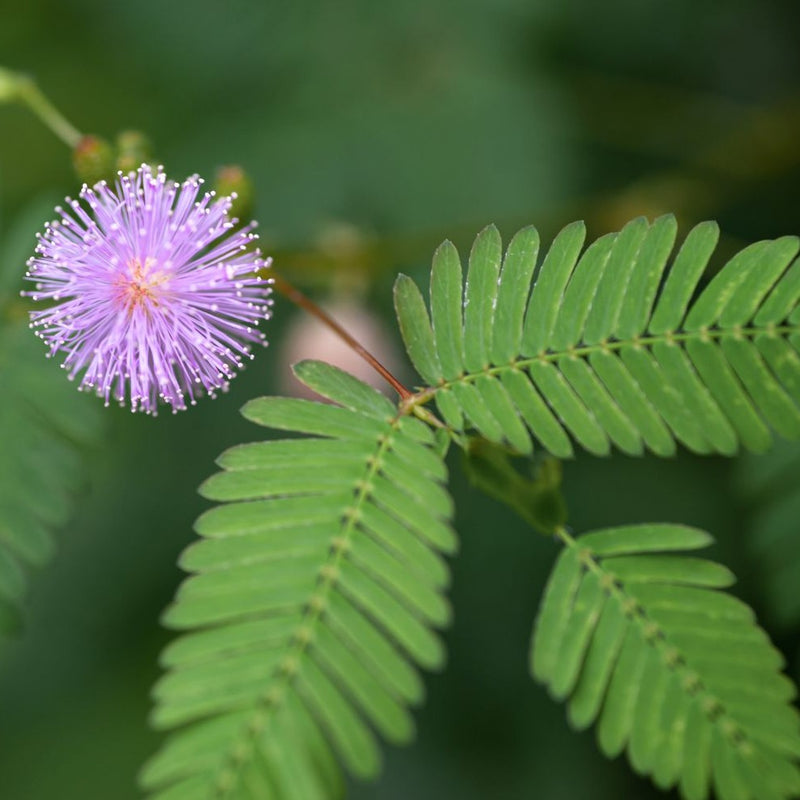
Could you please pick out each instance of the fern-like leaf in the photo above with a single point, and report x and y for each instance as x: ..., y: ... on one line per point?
x: 608, y: 347
x: 639, y: 638
x: 314, y: 591
x: 45, y: 426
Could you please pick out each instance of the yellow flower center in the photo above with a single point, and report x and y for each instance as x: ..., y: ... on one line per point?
x: 137, y: 289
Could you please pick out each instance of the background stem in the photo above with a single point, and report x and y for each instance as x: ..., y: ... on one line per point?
x: 25, y: 90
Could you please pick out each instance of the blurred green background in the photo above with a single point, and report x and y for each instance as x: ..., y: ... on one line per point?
x: 372, y: 131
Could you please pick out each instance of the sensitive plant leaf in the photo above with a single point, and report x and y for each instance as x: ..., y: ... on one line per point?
x: 315, y: 591
x: 574, y: 307
x: 614, y: 285
x: 638, y: 638
x: 737, y: 290
x: 612, y: 351
x: 45, y: 429
x: 644, y: 279
x: 317, y: 584
x: 683, y: 277
x: 342, y: 388
x: 518, y: 267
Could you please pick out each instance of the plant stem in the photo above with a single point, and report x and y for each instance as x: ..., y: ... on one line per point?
x: 299, y: 299
x: 27, y: 92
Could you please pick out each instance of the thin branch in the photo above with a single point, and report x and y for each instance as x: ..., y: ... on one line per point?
x: 299, y: 299
x: 24, y: 89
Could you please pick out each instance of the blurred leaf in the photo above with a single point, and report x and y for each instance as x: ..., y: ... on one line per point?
x: 45, y: 428
x: 537, y: 500
x: 17, y: 243
x: 770, y: 484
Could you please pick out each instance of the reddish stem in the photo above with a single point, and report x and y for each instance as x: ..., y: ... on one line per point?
x: 299, y: 299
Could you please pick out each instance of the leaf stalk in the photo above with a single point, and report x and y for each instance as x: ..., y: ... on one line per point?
x: 293, y: 294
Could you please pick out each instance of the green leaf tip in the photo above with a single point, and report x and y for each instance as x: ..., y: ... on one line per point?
x: 343, y: 388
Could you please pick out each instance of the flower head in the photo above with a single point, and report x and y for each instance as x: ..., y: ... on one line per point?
x: 157, y: 296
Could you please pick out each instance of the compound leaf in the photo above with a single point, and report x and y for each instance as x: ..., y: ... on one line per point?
x: 612, y: 348
x: 315, y: 591
x: 636, y: 637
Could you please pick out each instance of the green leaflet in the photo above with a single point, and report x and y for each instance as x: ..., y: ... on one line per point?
x: 590, y: 389
x: 636, y: 637
x: 446, y: 302
x: 45, y: 426
x: 416, y: 329
x: 314, y: 592
x: 607, y: 348
x: 518, y: 266
x: 683, y: 278
x: 342, y: 388
x: 480, y: 294
x: 574, y: 309
x: 643, y: 283
x: 736, y: 292
x: 614, y: 285
x: 546, y: 295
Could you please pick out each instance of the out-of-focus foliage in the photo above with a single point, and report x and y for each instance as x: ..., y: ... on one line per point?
x: 45, y: 430
x: 411, y: 121
x: 770, y: 489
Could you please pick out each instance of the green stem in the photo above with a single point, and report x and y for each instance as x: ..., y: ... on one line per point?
x: 562, y: 533
x: 24, y: 89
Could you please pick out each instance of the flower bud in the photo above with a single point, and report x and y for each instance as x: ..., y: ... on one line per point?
x: 93, y: 159
x: 133, y: 150
x: 232, y: 181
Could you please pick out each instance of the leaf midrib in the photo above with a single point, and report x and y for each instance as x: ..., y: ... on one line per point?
x: 302, y: 636
x: 611, y: 346
x: 658, y: 638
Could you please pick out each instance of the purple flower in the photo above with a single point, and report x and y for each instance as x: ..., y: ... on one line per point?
x: 156, y: 295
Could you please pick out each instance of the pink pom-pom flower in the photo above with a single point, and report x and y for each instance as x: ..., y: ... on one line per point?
x: 155, y: 295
